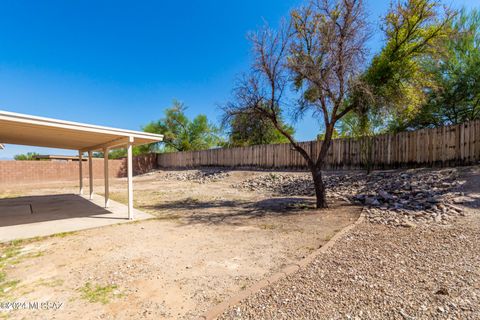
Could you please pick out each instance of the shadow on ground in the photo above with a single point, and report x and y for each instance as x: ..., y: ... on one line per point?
x: 32, y: 209
x: 234, y: 211
x: 471, y: 188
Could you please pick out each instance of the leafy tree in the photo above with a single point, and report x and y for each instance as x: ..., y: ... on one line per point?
x: 414, y: 31
x: 396, y: 78
x: 26, y: 156
x: 247, y: 130
x: 183, y: 134
x: 120, y: 153
x: 454, y: 96
x: 322, y: 50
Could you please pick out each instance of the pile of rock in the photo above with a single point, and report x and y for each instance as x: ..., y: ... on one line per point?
x: 412, y: 197
x: 198, y: 176
x: 397, y: 198
x: 280, y: 184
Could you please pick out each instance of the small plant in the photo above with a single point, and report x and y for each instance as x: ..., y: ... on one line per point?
x: 97, y: 293
x: 273, y: 176
x: 310, y: 249
x: 330, y: 236
x: 268, y: 226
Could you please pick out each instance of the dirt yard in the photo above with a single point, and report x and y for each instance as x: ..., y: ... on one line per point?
x: 209, y: 241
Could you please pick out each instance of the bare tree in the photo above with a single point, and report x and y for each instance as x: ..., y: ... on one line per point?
x: 319, y: 51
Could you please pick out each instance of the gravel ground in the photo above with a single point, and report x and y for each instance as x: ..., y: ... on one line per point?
x: 378, y: 272
x: 399, y: 198
x: 199, y: 176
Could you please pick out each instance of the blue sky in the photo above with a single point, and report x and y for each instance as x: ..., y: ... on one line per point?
x: 121, y: 63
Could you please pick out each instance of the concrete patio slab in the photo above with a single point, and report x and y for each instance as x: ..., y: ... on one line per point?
x: 37, y: 216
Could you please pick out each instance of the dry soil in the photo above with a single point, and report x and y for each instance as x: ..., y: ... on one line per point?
x: 209, y: 241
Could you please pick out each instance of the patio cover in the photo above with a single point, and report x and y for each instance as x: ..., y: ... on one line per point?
x: 30, y: 130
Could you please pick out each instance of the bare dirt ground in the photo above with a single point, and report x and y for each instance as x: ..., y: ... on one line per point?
x: 381, y: 272
x: 209, y: 241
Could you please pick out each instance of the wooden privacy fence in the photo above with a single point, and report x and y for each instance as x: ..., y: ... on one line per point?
x: 449, y: 145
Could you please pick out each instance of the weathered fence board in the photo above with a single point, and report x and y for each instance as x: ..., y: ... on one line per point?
x: 450, y: 145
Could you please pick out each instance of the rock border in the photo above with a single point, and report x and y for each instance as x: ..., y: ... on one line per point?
x: 220, y: 308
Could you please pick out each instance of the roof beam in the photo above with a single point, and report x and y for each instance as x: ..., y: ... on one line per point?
x: 110, y: 144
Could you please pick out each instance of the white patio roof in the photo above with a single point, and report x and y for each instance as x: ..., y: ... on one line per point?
x: 16, y: 128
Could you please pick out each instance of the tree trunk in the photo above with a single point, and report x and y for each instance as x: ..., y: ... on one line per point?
x: 366, y: 145
x: 319, y: 188
x: 316, y: 168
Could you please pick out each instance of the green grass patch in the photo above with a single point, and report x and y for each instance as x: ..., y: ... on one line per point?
x: 6, y: 286
x: 49, y: 283
x: 37, y: 254
x: 8, y: 256
x: 98, y: 293
x: 63, y: 234
x: 11, y: 254
x: 8, y: 253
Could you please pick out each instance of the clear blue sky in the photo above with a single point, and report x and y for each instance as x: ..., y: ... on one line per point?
x: 121, y: 63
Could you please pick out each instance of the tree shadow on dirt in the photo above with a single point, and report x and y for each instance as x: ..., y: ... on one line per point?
x: 194, y: 211
x: 471, y: 189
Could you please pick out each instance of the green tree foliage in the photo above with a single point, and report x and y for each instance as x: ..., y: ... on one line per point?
x: 393, y: 85
x: 26, y: 156
x: 335, y: 135
x: 122, y: 152
x: 396, y: 79
x: 183, y: 134
x: 414, y: 31
x: 248, y: 130
x: 454, y: 96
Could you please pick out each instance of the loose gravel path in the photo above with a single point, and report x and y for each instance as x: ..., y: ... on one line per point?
x: 378, y: 272
x: 381, y: 272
